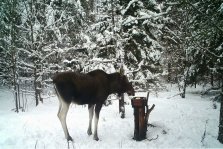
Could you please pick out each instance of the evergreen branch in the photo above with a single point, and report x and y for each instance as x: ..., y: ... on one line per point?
x: 213, y: 23
x: 206, y: 49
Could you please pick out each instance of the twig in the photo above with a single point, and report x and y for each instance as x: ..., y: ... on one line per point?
x: 174, y: 96
x: 212, y: 88
x: 153, y: 138
x: 151, y: 125
x: 148, y: 113
x: 149, y: 110
x: 204, y: 135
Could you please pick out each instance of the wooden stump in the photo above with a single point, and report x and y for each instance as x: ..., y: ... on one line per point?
x: 141, y: 116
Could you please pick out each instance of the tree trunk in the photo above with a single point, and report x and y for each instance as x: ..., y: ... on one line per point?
x: 195, y: 79
x: 212, y: 74
x: 212, y: 79
x: 169, y: 72
x: 185, y: 84
x: 14, y: 56
x: 121, y: 100
x: 184, y: 90
x: 113, y: 17
x: 18, y: 88
x: 16, y: 95
x: 220, y: 131
x: 35, y: 87
x: 15, y: 80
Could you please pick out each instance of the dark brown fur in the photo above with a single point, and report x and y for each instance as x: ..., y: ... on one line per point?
x: 90, y: 88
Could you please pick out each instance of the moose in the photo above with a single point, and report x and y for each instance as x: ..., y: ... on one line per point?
x: 91, y: 88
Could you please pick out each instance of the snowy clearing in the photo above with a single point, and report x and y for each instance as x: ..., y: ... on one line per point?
x: 179, y: 123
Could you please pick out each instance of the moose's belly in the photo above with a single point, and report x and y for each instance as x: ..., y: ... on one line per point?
x: 81, y: 100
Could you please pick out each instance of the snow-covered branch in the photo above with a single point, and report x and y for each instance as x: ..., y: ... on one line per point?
x: 146, y: 17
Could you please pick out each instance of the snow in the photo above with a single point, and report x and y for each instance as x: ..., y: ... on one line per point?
x: 179, y: 123
x: 132, y: 3
x: 221, y: 8
x: 50, y: 14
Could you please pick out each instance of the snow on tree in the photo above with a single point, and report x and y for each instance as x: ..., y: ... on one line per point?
x: 9, y: 43
x: 142, y: 27
x: 50, y: 30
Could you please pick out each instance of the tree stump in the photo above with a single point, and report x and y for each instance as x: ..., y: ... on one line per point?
x: 141, y: 116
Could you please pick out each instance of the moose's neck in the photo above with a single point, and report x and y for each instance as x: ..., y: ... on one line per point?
x: 114, y: 84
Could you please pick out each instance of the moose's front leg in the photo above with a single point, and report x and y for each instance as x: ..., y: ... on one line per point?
x: 97, y: 112
x: 91, y: 114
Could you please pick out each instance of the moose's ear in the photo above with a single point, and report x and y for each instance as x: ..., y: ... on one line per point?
x: 121, y: 71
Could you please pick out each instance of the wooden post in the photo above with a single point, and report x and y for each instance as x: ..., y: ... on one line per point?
x: 139, y: 104
x: 141, y: 116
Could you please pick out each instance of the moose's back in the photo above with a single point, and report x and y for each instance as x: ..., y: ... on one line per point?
x: 82, y: 88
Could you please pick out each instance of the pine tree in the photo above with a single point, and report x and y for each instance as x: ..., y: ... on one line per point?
x: 203, y: 40
x: 9, y: 46
x: 142, y: 27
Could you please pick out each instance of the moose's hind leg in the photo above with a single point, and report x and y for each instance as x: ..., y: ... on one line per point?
x: 60, y: 105
x: 96, y: 118
x: 62, y: 116
x: 91, y: 114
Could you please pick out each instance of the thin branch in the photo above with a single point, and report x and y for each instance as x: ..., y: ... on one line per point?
x: 206, y: 49
x: 174, y: 95
x: 204, y: 135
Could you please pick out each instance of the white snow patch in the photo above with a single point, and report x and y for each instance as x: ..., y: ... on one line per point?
x: 221, y: 8
x: 179, y: 123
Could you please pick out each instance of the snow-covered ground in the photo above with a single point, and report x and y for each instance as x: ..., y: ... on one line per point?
x: 179, y: 123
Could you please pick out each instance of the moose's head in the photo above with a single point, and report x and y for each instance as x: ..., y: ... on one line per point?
x: 126, y: 86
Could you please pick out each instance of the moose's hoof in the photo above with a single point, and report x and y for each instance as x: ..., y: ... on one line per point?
x: 96, y: 138
x: 69, y: 138
x: 89, y: 132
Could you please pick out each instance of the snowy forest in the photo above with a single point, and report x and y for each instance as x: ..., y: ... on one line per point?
x: 158, y: 44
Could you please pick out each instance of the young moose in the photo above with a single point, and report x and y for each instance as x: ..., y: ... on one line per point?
x: 92, y: 88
